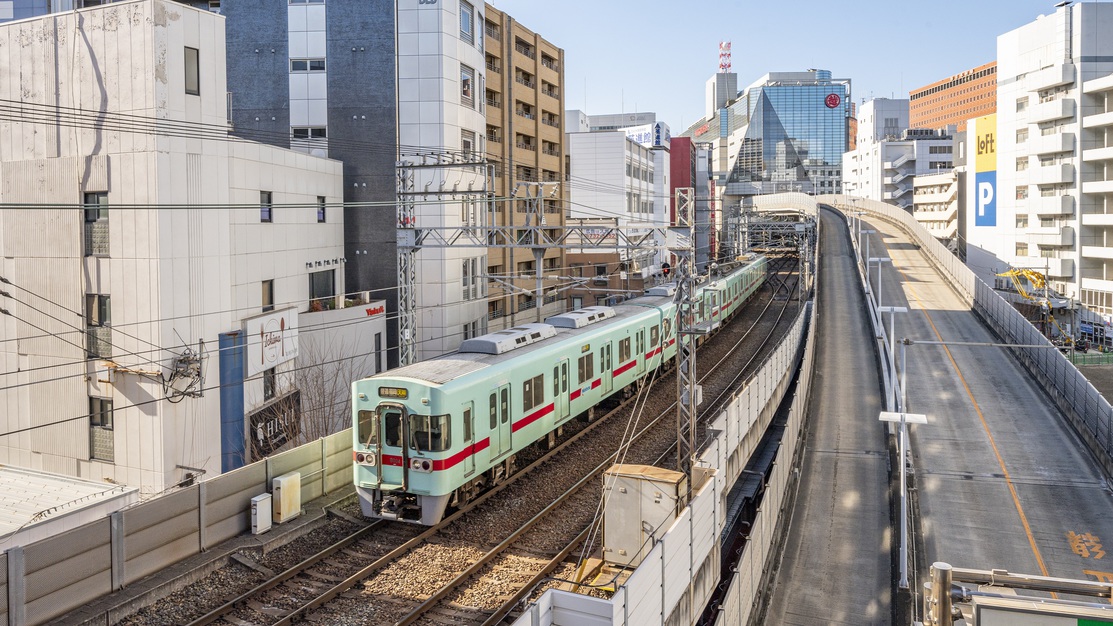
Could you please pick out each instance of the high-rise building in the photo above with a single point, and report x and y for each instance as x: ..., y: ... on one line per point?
x: 785, y: 132
x: 954, y: 100
x: 1040, y: 171
x: 525, y: 145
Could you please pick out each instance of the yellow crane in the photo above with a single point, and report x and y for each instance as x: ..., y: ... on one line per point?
x: 1037, y: 282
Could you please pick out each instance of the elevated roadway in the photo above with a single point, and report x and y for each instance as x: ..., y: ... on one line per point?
x: 999, y: 477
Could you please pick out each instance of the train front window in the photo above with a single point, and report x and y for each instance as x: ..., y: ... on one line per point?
x: 392, y: 428
x: 429, y: 433
x: 368, y: 428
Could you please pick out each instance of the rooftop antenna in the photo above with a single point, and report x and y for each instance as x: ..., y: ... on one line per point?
x: 724, y: 57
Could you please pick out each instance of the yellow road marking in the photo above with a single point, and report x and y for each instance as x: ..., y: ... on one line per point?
x: 1000, y: 462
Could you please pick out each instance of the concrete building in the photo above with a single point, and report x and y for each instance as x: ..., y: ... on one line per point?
x: 525, y: 146
x: 956, y: 99
x: 1041, y: 186
x: 886, y: 170
x: 935, y: 204
x: 156, y: 307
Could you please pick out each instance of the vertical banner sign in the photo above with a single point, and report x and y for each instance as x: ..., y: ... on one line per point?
x: 985, y: 171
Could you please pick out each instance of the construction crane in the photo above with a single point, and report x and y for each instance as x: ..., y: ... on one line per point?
x: 1029, y: 283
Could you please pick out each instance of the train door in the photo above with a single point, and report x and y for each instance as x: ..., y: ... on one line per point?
x: 469, y: 438
x: 716, y: 315
x: 499, y: 404
x: 392, y: 452
x: 639, y: 348
x: 606, y: 367
x: 560, y: 389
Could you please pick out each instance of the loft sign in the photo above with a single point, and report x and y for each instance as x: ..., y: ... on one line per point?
x: 270, y: 339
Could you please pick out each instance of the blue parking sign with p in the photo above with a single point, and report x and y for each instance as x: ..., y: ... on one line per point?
x: 985, y: 191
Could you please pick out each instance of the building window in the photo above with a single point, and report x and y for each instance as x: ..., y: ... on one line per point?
x: 1021, y: 104
x: 307, y: 65
x: 1022, y: 135
x: 322, y: 292
x: 1021, y: 249
x: 378, y: 352
x: 467, y: 144
x: 467, y: 86
x: 98, y: 324
x: 270, y: 384
x: 268, y: 295
x: 1021, y: 163
x: 322, y: 206
x: 100, y: 430
x: 192, y: 72
x: 467, y: 22
x: 311, y: 132
x: 96, y: 223
x: 1021, y: 192
x: 265, y: 208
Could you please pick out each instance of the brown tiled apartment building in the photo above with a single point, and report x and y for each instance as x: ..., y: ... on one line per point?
x: 954, y: 100
x: 525, y: 144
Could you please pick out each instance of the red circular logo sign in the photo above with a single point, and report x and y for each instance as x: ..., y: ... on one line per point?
x: 832, y: 100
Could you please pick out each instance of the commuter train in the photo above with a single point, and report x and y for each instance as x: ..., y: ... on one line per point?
x: 433, y: 435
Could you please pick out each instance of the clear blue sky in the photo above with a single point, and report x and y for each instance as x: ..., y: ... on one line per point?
x: 656, y: 55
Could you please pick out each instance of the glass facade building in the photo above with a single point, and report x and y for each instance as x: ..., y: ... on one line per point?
x: 786, y: 132
x: 795, y: 136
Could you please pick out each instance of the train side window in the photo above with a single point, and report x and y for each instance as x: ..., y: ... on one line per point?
x: 368, y: 428
x: 668, y: 327
x: 467, y: 425
x: 624, y: 350
x: 494, y: 411
x: 564, y: 377
x: 654, y: 336
x: 556, y: 381
x: 392, y: 428
x: 505, y: 405
x: 587, y: 368
x: 533, y: 392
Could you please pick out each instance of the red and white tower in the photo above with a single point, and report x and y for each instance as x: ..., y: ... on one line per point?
x: 724, y: 57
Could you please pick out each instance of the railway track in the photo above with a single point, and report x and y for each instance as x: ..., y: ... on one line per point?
x: 404, y: 574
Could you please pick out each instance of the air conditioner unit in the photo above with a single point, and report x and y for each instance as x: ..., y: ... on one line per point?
x: 261, y: 514
x: 286, y: 490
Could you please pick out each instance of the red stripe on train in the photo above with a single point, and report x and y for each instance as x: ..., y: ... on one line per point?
x: 531, y: 418
x: 624, y: 368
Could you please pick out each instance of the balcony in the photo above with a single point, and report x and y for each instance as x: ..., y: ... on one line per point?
x: 1051, y: 77
x: 523, y: 113
x: 1098, y: 85
x: 493, y: 138
x: 1057, y: 174
x: 552, y: 93
x: 1056, y: 268
x: 1100, y: 120
x: 524, y: 80
x: 551, y: 121
x: 1051, y: 206
x: 524, y: 49
x: 550, y: 63
x: 551, y: 151
x: 493, y: 67
x: 494, y: 102
x: 1053, y: 110
x: 1051, y: 144
x: 1098, y: 154
x: 1062, y: 237
x: 1098, y: 186
x: 526, y: 146
x: 492, y: 32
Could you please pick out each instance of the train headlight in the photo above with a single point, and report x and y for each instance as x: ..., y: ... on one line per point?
x: 365, y: 458
x: 421, y: 465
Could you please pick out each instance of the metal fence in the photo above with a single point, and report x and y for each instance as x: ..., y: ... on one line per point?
x: 54, y: 576
x: 1086, y: 409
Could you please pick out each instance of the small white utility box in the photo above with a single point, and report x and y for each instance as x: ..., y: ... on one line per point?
x: 261, y: 514
x: 642, y: 503
x: 286, y: 490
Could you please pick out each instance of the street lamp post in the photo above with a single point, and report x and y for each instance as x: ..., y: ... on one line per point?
x: 892, y: 311
x: 905, y: 419
x: 879, y: 261
x: 867, y: 232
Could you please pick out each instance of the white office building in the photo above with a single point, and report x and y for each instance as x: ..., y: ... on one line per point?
x: 889, y: 156
x: 1040, y: 195
x: 441, y: 87
x: 163, y: 281
x: 935, y: 204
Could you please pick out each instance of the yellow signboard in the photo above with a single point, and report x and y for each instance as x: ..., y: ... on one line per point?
x: 985, y: 145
